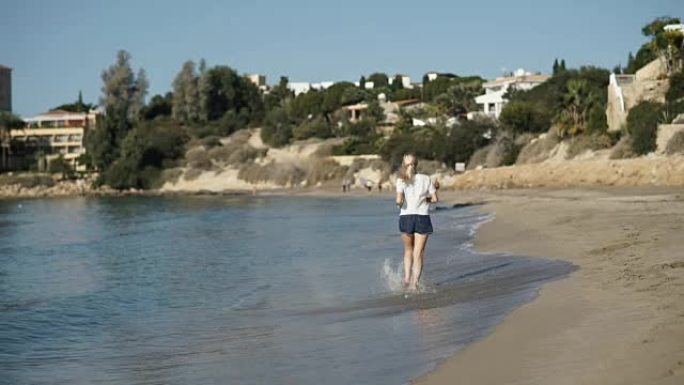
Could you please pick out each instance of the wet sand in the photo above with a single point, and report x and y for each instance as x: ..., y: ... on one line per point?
x: 618, y: 319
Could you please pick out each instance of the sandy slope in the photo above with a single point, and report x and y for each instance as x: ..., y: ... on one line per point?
x: 642, y: 171
x: 619, y: 319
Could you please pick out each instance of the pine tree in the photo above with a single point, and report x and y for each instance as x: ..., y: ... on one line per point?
x: 555, y: 66
x: 123, y: 96
x: 203, y: 92
x: 80, y: 101
x: 186, y: 102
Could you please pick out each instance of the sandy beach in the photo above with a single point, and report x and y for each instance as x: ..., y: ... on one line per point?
x: 619, y: 319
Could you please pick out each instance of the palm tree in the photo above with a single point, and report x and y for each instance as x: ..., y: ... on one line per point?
x: 578, y: 100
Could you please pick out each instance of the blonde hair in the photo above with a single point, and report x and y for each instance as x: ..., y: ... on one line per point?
x: 408, y: 168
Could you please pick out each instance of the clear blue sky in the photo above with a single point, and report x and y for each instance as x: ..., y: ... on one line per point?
x: 57, y: 48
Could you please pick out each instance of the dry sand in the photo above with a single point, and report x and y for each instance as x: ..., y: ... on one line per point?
x: 652, y: 170
x: 619, y: 319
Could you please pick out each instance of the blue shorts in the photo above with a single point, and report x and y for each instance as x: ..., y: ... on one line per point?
x: 412, y: 223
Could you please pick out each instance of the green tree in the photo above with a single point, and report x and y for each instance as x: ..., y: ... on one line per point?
x: 353, y: 95
x: 666, y: 44
x: 144, y: 152
x: 123, y: 96
x: 78, y: 106
x: 306, y: 105
x: 524, y: 116
x: 397, y: 83
x: 578, y: 101
x: 186, y: 99
x: 362, y: 82
x: 227, y: 91
x: 379, y: 80
x: 277, y: 128
x: 464, y: 139
x: 203, y: 91
x: 333, y: 100
x: 556, y: 66
x: 278, y: 94
x: 159, y: 106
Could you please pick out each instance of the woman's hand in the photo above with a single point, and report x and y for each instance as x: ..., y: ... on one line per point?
x: 436, y: 184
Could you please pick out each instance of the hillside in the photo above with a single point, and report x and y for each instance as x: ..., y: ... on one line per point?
x: 243, y: 162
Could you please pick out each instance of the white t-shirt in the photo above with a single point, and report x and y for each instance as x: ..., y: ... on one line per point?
x: 415, y: 194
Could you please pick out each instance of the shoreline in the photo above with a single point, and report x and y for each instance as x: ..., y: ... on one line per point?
x: 618, y: 319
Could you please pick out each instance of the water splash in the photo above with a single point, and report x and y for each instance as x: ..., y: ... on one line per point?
x: 392, y: 275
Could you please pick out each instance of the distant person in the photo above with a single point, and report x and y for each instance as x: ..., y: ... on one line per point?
x: 344, y: 185
x: 415, y: 192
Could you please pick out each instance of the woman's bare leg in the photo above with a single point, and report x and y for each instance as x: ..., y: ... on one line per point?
x: 418, y: 250
x: 408, y: 256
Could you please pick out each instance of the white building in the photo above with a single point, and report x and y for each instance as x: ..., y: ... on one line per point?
x: 493, y: 101
x: 57, y: 132
x: 674, y: 27
x: 257, y: 79
x: 432, y: 75
x: 304, y: 87
x: 367, y: 85
x: 405, y: 80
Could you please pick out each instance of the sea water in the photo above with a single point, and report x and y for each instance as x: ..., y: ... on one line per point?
x: 241, y: 290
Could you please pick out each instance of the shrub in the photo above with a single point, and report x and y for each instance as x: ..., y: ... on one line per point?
x: 62, y: 167
x: 355, y: 146
x: 642, y: 124
x: 583, y: 143
x: 145, y: 150
x: 676, y: 90
x: 537, y: 150
x: 199, y: 158
x: 170, y: 175
x: 676, y: 144
x: 598, y: 121
x: 503, y: 152
x: 235, y: 153
x: 315, y: 128
x: 210, y: 141
x: 522, y: 116
x: 623, y: 149
x: 27, y: 180
x: 192, y: 174
x: 325, y: 170
x: 479, y: 157
x: 283, y: 174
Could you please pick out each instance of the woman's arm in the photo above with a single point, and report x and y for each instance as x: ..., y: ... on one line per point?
x: 400, y: 199
x: 434, y: 198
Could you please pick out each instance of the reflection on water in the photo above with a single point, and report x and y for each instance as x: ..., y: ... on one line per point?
x: 249, y: 290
